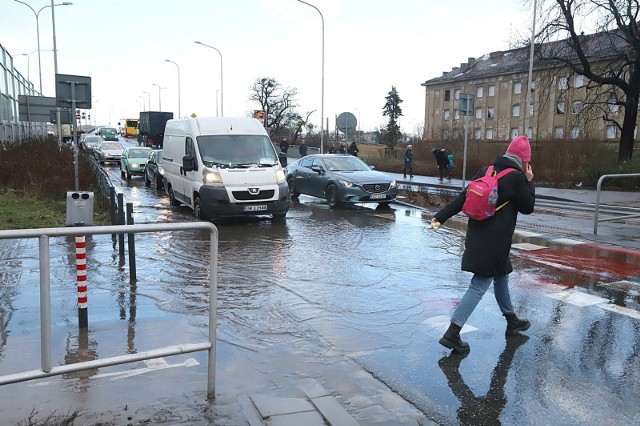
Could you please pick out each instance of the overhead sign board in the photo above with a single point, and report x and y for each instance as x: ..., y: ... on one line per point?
x: 73, y: 91
x: 35, y: 109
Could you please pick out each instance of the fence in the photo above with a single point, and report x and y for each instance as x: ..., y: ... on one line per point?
x: 46, y: 369
x: 595, y: 216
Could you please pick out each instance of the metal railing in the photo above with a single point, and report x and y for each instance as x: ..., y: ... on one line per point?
x: 595, y: 217
x: 46, y: 369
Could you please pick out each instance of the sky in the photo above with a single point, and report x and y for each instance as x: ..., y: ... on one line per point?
x: 370, y: 46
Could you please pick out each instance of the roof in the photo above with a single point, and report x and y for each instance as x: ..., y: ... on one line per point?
x: 599, y: 46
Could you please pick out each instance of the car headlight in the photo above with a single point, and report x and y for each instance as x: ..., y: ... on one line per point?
x: 280, y: 176
x: 347, y: 184
x: 393, y: 184
x: 210, y: 176
x: 135, y: 166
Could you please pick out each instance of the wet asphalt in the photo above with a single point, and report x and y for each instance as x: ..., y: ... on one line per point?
x: 352, y: 299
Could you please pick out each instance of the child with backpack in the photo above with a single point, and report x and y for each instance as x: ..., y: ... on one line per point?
x: 492, y: 201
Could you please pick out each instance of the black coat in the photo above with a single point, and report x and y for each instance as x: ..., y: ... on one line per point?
x: 488, y: 242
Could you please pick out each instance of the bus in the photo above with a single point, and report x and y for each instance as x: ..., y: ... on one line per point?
x: 129, y: 127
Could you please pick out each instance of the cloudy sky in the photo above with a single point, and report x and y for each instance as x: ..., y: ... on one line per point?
x: 370, y: 46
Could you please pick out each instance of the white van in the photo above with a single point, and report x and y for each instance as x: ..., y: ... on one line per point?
x: 223, y: 167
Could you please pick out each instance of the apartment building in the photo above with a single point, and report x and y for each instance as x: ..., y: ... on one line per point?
x: 498, y: 82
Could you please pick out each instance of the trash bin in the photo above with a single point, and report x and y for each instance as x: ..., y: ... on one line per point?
x: 283, y: 159
x: 79, y: 208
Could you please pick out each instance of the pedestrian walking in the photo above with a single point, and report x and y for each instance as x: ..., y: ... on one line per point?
x: 488, y: 242
x: 302, y: 149
x: 450, y: 165
x: 333, y: 149
x: 353, y: 149
x: 443, y: 162
x: 408, y: 161
x: 284, y: 145
x: 342, y: 149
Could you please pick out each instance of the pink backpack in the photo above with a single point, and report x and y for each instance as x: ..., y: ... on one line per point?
x: 482, y: 195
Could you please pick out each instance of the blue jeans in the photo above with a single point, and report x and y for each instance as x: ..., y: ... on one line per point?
x: 478, y: 287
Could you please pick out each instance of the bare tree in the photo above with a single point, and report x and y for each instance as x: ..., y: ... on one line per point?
x: 278, y: 102
x: 609, y: 58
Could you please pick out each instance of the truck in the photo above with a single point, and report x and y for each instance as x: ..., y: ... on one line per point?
x: 151, y: 128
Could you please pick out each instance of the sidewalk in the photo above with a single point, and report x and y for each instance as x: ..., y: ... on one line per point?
x: 554, y: 224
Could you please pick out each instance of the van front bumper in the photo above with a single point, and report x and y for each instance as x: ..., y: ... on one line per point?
x: 216, y: 203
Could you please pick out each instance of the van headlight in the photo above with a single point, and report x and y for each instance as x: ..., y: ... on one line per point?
x: 161, y: 171
x: 210, y: 176
x: 280, y: 176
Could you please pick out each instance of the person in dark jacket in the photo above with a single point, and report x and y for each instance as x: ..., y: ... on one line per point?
x: 488, y: 242
x: 284, y: 145
x: 408, y: 161
x: 442, y: 160
x: 353, y: 149
x: 302, y: 149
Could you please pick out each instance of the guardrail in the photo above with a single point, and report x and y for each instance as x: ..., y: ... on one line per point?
x: 46, y: 369
x: 595, y: 217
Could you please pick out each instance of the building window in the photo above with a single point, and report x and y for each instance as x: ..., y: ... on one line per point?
x: 517, y: 88
x: 530, y: 110
x: 578, y: 81
x: 488, y: 134
x: 562, y: 83
x: 456, y: 114
x: 490, y: 113
x: 613, y: 105
x: 447, y: 95
x: 612, y: 132
x: 514, y: 132
x: 575, y: 132
x: 492, y: 90
x: 479, y: 91
x: 576, y: 107
x: 477, y: 134
x: 478, y: 112
x: 457, y: 93
x: 530, y: 132
x: 558, y: 132
x: 560, y: 107
x: 446, y: 114
x: 515, y: 111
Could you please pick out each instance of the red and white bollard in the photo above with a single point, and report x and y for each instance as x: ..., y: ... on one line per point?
x: 81, y: 270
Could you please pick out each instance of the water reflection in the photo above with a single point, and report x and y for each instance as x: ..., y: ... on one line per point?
x: 484, y: 409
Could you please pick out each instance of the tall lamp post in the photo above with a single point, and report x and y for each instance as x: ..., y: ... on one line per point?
x: 531, y: 52
x: 221, y: 80
x: 37, y: 15
x: 149, y: 99
x: 159, y: 96
x: 179, y: 115
x: 322, y: 94
x: 144, y: 106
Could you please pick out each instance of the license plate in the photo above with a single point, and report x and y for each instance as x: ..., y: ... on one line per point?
x: 378, y: 196
x: 258, y: 208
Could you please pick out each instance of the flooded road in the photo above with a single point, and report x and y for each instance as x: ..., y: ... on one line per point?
x: 296, y: 299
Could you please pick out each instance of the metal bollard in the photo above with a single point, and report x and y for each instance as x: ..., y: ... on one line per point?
x: 132, y: 245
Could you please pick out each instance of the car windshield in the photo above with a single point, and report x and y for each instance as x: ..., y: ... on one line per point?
x: 139, y: 153
x: 237, y: 150
x: 346, y: 164
x: 105, y: 146
x: 108, y: 130
x: 93, y: 139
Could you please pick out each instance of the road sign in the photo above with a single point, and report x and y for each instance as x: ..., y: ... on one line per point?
x: 466, y: 104
x: 346, y: 122
x: 81, y: 90
x: 65, y: 116
x: 35, y: 109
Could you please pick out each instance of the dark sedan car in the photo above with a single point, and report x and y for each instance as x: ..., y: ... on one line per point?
x: 153, y: 171
x: 341, y: 179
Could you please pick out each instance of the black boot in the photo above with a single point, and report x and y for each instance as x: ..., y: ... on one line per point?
x: 452, y: 340
x: 515, y: 324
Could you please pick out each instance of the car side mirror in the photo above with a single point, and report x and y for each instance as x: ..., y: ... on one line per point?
x: 189, y: 163
x: 317, y: 168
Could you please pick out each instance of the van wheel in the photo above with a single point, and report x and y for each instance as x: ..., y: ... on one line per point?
x: 292, y: 188
x: 331, y: 194
x: 172, y: 198
x: 197, y: 209
x: 279, y: 217
x: 147, y: 182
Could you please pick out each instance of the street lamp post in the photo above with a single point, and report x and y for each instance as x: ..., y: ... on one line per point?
x: 221, y: 80
x: 179, y: 115
x: 37, y: 15
x: 530, y: 78
x: 322, y: 93
x: 159, y: 96
x: 144, y: 106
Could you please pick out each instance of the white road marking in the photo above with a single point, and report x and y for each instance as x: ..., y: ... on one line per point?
x: 527, y: 246
x: 578, y: 298
x: 443, y: 321
x: 567, y: 241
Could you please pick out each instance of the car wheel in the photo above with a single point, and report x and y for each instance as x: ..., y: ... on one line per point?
x: 159, y: 184
x: 332, y: 195
x: 147, y: 181
x: 172, y: 197
x: 122, y: 174
x: 279, y: 217
x: 197, y: 209
x: 127, y: 174
x: 292, y: 188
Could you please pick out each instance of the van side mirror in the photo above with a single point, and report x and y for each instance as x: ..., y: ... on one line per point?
x: 189, y: 163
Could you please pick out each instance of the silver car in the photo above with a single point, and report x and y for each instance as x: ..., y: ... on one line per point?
x: 108, y: 152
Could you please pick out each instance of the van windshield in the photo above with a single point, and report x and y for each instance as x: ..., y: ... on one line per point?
x: 237, y: 150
